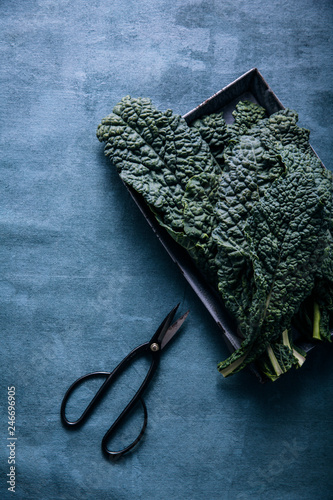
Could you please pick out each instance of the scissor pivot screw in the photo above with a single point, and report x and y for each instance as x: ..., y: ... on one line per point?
x: 154, y: 347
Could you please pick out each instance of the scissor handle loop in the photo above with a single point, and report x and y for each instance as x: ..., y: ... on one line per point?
x: 117, y: 454
x: 93, y: 402
x: 128, y: 409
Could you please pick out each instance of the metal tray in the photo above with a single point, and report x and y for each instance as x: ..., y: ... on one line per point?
x: 250, y: 86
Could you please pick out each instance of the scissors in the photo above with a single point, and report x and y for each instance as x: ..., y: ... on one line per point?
x: 153, y: 347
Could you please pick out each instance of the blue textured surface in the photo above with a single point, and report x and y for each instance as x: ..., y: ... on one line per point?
x: 84, y: 280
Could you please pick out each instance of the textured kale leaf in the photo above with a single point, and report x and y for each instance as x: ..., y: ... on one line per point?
x: 249, y: 168
x: 161, y: 157
x: 214, y: 131
x: 286, y: 233
x: 246, y: 115
x: 200, y: 219
x: 281, y: 129
x: 264, y: 158
x: 218, y: 134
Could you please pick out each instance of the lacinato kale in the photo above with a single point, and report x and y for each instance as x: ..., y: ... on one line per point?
x: 249, y: 168
x: 286, y: 243
x: 257, y: 165
x: 214, y: 130
x: 158, y: 155
x: 251, y: 203
x: 246, y: 115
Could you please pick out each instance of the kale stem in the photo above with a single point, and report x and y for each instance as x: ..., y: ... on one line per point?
x: 233, y: 366
x: 274, y: 361
x: 297, y: 355
x: 285, y: 338
x: 316, y: 321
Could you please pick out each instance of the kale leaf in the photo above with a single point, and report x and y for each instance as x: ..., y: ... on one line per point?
x: 249, y: 169
x: 214, y: 130
x: 246, y: 115
x: 161, y: 157
x: 286, y: 233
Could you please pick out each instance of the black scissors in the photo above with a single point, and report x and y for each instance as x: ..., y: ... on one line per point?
x: 156, y: 344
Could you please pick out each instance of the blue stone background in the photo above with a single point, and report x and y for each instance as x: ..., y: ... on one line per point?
x: 84, y: 279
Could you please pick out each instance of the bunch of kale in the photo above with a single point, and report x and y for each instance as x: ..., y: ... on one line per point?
x: 253, y: 206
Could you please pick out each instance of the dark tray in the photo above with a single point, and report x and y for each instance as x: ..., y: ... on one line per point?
x: 250, y: 86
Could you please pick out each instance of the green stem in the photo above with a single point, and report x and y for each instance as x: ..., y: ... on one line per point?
x: 235, y: 364
x: 285, y: 338
x: 316, y: 322
x: 297, y: 355
x: 274, y: 361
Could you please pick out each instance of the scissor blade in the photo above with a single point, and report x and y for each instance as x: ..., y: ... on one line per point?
x: 173, y: 329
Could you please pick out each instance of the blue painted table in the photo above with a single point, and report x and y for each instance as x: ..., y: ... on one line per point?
x: 84, y: 280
